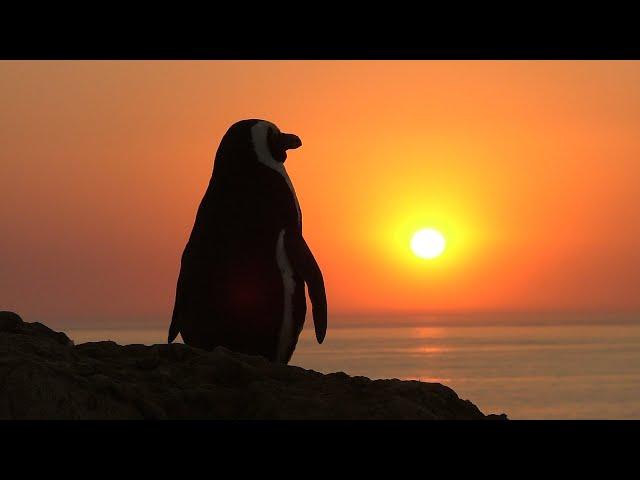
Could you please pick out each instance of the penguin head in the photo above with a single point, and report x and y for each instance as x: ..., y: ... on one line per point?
x: 255, y: 140
x: 279, y: 142
x: 270, y: 144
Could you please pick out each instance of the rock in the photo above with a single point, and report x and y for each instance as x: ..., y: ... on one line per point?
x: 9, y: 321
x: 497, y: 416
x: 44, y: 376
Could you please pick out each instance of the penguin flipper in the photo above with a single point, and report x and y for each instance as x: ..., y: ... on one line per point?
x: 305, y: 265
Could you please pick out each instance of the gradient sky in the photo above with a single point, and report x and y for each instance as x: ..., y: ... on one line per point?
x: 530, y: 169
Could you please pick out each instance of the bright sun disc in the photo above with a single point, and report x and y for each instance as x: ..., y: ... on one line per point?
x: 427, y: 243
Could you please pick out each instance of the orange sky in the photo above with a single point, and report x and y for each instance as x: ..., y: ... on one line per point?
x: 530, y: 169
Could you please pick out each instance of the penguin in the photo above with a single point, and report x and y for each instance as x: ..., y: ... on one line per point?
x: 244, y: 268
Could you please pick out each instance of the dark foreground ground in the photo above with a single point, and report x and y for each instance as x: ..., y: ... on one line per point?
x: 43, y: 375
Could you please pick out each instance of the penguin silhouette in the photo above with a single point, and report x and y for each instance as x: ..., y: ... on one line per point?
x: 243, y: 270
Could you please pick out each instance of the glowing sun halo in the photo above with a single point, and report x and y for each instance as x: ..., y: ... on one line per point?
x: 428, y: 243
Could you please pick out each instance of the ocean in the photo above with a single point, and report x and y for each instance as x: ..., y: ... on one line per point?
x: 573, y: 371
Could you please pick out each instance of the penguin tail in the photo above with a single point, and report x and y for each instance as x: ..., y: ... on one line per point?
x: 173, y: 333
x: 174, y: 330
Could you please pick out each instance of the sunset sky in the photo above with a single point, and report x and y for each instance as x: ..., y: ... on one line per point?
x: 531, y: 171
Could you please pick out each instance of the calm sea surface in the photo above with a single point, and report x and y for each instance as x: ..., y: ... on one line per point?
x: 527, y: 372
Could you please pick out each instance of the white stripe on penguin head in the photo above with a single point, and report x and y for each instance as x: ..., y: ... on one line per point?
x: 259, y: 135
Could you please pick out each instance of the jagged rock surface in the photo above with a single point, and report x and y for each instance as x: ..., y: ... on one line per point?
x: 43, y: 375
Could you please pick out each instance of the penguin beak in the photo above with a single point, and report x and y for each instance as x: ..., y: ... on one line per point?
x: 290, y: 141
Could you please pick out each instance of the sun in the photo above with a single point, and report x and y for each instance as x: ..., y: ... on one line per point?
x: 428, y: 243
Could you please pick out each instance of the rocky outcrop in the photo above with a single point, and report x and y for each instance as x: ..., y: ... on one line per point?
x: 43, y: 375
